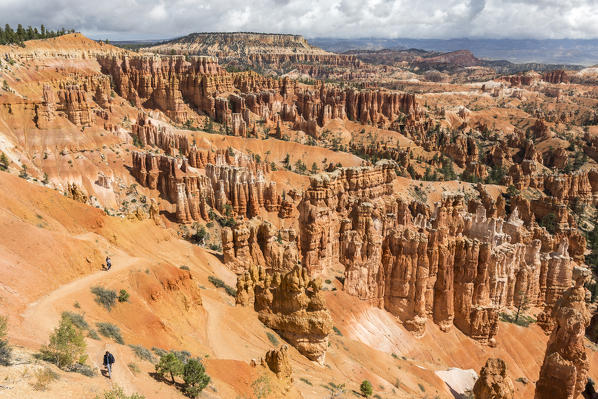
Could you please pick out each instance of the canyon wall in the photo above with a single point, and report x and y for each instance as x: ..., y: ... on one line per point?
x: 223, y: 185
x: 175, y: 85
x: 452, y: 264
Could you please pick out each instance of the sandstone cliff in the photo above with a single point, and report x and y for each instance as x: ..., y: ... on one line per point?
x: 446, y: 264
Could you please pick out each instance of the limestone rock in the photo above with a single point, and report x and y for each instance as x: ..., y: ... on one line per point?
x: 565, y: 369
x: 257, y: 243
x: 277, y: 361
x: 292, y: 305
x: 493, y: 382
x: 74, y: 192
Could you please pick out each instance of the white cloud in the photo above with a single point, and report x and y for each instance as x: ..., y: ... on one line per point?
x: 135, y: 19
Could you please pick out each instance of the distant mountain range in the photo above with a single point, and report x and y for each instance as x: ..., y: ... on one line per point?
x: 557, y: 51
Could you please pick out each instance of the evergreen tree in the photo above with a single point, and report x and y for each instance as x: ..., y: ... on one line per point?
x: 195, y: 378
x: 169, y: 364
x: 67, y: 345
x: 366, y: 388
x: 9, y: 36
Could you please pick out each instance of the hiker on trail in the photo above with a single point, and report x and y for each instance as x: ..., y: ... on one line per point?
x: 108, y: 361
x: 108, y: 263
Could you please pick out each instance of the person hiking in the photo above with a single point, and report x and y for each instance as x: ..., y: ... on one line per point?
x: 108, y: 361
x: 108, y: 263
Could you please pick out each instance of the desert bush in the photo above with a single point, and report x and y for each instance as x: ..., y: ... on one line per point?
x: 366, y: 388
x: 77, y: 319
x: 123, y: 296
x: 523, y: 320
x: 118, y: 393
x: 93, y: 334
x: 272, y: 338
x: 183, y: 356
x: 109, y: 330
x: 134, y: 368
x: 43, y: 378
x: 306, y: 381
x: 5, y: 348
x: 159, y: 351
x: 142, y: 353
x: 216, y: 282
x: 67, y: 345
x: 195, y: 377
x: 337, y: 331
x: 262, y: 387
x: 104, y: 297
x: 83, y: 369
x: 184, y: 267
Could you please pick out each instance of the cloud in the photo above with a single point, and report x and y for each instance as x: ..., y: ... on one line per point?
x: 152, y: 19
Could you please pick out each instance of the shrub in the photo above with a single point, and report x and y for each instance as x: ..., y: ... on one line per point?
x: 306, y: 381
x: 123, y: 296
x: 43, y: 378
x: 104, y: 297
x: 216, y: 282
x: 422, y: 387
x: 262, y: 387
x: 4, y: 162
x: 366, y: 388
x: 93, y: 334
x: 183, y: 356
x: 185, y: 268
x: 272, y: 338
x: 195, y: 377
x: 159, y: 351
x: 118, y: 393
x: 77, y: 319
x: 523, y: 320
x: 109, y: 330
x: 66, y: 346
x: 83, y: 369
x: 142, y: 353
x: 133, y: 367
x: 5, y: 348
x: 549, y: 223
x: 200, y: 236
x: 337, y: 331
x: 169, y: 364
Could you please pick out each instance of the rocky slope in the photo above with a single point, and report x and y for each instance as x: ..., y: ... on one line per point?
x: 360, y: 224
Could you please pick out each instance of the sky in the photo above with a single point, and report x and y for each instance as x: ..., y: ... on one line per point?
x: 161, y: 19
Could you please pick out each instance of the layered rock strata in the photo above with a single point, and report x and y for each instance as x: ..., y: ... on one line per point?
x: 258, y: 243
x: 242, y: 188
x: 238, y: 100
x: 452, y: 264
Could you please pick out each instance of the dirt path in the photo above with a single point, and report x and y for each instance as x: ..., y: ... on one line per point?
x: 41, y: 317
